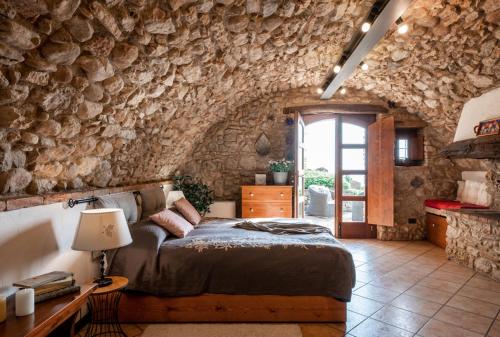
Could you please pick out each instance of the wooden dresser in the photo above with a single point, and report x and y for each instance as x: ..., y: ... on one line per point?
x: 436, y: 229
x: 266, y: 201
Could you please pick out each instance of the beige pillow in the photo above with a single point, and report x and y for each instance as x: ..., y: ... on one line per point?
x: 188, y: 211
x: 172, y: 222
x: 153, y: 201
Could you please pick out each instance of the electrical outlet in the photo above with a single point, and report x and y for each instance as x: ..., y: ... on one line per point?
x: 412, y: 220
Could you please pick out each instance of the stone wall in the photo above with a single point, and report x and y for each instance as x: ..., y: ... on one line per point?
x: 474, y: 241
x: 107, y: 93
x: 227, y: 157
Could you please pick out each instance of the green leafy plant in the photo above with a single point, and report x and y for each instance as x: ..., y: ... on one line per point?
x: 196, y: 192
x: 314, y: 177
x: 281, y: 165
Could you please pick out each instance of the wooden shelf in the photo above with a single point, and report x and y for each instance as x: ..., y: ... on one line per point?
x: 486, y: 147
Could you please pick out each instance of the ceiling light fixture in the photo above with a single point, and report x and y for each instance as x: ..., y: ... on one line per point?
x: 319, y: 90
x: 364, y: 66
x: 402, y: 27
x: 336, y: 69
x: 365, y: 27
x: 343, y: 91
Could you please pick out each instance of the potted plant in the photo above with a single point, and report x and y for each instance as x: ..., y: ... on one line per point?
x: 196, y: 192
x: 280, y: 169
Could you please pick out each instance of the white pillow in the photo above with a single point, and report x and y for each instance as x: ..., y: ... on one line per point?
x: 460, y: 190
x: 172, y: 197
x: 484, y: 198
x: 476, y: 193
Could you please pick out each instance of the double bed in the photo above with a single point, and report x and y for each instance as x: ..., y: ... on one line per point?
x: 219, y: 272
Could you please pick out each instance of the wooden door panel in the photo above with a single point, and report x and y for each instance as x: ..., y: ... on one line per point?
x: 380, y: 189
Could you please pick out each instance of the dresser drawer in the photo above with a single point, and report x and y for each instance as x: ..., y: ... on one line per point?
x: 266, y: 193
x: 436, y: 229
x: 266, y: 210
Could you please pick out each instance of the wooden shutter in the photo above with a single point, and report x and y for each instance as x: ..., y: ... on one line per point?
x: 380, y: 189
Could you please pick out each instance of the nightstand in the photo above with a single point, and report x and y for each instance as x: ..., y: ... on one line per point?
x: 103, y: 307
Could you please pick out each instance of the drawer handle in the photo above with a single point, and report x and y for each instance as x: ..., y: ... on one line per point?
x: 251, y: 209
x: 433, y: 225
x: 251, y: 194
x: 282, y: 210
x: 282, y: 194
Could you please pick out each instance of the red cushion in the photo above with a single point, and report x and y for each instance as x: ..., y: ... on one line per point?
x: 449, y: 204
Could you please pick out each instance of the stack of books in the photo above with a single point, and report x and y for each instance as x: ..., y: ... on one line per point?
x: 50, y: 285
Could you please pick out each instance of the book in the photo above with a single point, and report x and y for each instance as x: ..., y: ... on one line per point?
x: 64, y: 282
x: 48, y: 289
x: 37, y: 281
x: 57, y: 293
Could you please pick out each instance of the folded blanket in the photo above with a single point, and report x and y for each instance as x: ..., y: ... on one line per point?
x: 283, y: 228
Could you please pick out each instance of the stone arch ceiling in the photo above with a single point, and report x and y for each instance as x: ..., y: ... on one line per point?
x: 112, y: 92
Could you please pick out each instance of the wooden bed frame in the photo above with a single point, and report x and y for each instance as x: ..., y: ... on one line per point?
x: 140, y: 308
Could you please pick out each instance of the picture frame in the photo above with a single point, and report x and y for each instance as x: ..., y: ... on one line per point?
x: 488, y: 127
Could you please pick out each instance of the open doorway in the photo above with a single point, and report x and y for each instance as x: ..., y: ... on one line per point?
x: 333, y: 177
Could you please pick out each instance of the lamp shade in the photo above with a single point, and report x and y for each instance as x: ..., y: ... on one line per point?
x: 172, y: 197
x: 101, y: 229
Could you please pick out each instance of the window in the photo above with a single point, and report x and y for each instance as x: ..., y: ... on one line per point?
x: 402, y: 149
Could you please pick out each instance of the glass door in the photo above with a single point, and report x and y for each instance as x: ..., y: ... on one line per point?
x: 351, y: 177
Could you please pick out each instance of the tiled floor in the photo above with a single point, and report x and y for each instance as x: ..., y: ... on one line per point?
x: 410, y: 289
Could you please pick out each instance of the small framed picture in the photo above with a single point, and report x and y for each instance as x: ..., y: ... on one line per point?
x: 488, y: 127
x: 260, y: 179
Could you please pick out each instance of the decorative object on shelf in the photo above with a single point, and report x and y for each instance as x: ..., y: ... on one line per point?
x: 25, y: 302
x: 280, y: 169
x: 100, y: 230
x: 260, y: 179
x: 263, y: 145
x: 103, y: 307
x: 196, y: 192
x: 50, y: 285
x: 488, y: 127
x: 3, y: 308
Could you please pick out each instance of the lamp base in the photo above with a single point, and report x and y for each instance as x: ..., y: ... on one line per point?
x: 103, y: 282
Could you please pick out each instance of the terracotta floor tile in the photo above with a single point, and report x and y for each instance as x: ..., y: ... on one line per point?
x: 442, y: 285
x: 480, y: 294
x: 454, y: 268
x: 495, y: 329
x: 435, y: 328
x: 401, y: 318
x: 365, y: 276
x: 416, y: 305
x: 376, y: 293
x: 363, y: 306
x: 393, y: 283
x: 479, y: 281
x: 358, y: 285
x: 374, y: 328
x: 443, y: 275
x: 464, y: 319
x: 474, y: 305
x: 319, y: 330
x: 353, y: 319
x: 429, y: 294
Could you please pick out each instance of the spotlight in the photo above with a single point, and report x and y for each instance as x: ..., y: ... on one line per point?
x: 365, y: 27
x: 343, y: 91
x: 364, y: 66
x: 336, y: 69
x: 319, y: 91
x: 402, y: 27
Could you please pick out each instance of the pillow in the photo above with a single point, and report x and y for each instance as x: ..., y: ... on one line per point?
x: 153, y: 201
x: 125, y: 201
x: 172, y: 222
x: 460, y: 190
x: 476, y: 193
x: 188, y: 211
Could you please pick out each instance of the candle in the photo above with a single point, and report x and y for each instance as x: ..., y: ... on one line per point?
x: 3, y: 308
x: 25, y: 302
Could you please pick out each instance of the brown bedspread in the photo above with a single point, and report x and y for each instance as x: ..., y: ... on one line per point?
x: 218, y: 258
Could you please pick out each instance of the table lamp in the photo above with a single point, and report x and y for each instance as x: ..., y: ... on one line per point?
x: 100, y: 230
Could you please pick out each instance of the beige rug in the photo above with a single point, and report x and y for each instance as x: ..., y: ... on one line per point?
x: 222, y: 330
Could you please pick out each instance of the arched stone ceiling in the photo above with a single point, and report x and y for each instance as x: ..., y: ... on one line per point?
x: 118, y: 91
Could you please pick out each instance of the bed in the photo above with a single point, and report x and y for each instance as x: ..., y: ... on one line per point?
x: 220, y: 273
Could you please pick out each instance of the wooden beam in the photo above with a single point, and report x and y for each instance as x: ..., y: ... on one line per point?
x: 337, y: 108
x: 391, y: 12
x: 486, y: 147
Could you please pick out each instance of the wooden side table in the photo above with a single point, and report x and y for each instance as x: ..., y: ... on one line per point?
x: 103, y: 308
x: 56, y: 315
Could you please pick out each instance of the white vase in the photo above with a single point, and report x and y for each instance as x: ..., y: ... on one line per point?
x: 280, y: 178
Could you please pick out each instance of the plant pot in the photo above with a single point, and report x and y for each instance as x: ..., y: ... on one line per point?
x: 280, y: 178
